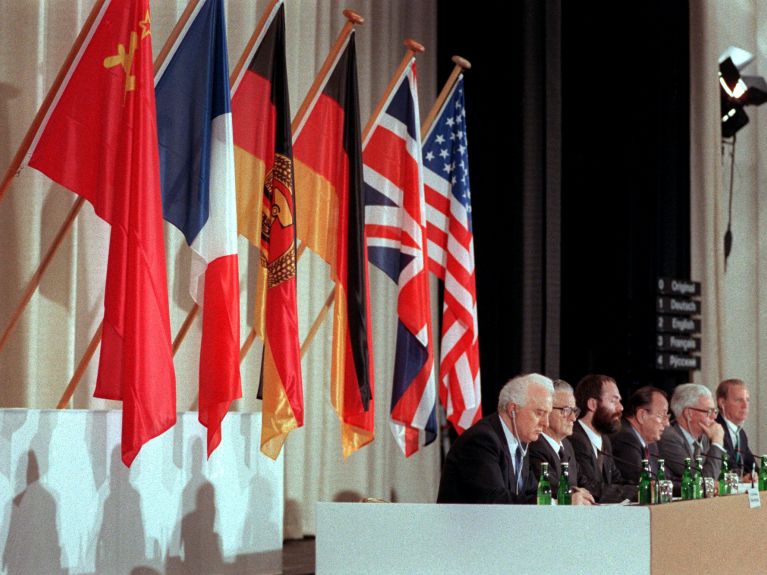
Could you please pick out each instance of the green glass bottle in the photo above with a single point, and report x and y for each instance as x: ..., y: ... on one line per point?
x: 645, y: 486
x: 724, y: 486
x: 687, y: 482
x: 697, y: 479
x: 660, y: 476
x: 544, y: 487
x: 763, y: 474
x: 563, y: 491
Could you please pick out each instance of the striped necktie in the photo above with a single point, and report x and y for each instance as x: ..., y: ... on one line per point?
x: 518, y: 458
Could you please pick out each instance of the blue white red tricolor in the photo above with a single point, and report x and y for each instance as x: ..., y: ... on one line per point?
x: 194, y: 124
x: 451, y: 258
x: 395, y: 225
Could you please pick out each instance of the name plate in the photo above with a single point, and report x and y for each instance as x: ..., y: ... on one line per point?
x: 753, y: 498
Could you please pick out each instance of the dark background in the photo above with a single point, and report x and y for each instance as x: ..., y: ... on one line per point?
x: 616, y: 91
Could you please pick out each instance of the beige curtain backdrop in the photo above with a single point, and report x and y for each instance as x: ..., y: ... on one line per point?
x: 35, y: 37
x: 734, y: 326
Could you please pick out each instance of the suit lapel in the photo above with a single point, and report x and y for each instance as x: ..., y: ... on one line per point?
x: 684, y: 439
x: 495, y: 425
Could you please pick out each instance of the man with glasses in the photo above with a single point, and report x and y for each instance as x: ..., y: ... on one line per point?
x: 694, y: 433
x: 599, y: 401
x: 645, y: 418
x: 552, y: 446
x: 733, y: 401
x: 488, y: 463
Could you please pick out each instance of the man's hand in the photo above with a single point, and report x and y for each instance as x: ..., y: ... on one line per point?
x: 582, y: 496
x: 714, y: 432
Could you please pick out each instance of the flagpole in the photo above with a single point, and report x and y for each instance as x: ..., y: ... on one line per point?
x: 352, y: 19
x: 413, y: 48
x: 246, y: 53
x: 34, y: 281
x: 461, y: 64
x: 96, y: 339
x: 26, y: 143
x: 81, y: 367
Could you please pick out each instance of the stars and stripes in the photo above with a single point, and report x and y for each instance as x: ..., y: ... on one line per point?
x: 451, y: 258
x: 395, y: 225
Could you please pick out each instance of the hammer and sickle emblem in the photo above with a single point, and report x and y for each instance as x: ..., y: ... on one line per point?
x: 125, y: 59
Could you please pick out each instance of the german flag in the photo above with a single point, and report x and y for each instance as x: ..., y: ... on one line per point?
x: 331, y: 222
x: 266, y: 216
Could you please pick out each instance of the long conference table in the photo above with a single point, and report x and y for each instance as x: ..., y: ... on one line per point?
x: 718, y: 535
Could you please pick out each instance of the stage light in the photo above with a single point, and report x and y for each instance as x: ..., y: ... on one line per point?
x: 738, y: 91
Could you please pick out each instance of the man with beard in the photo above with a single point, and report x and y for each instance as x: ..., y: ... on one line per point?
x: 488, y: 463
x: 733, y: 400
x: 599, y: 401
x: 646, y: 417
x: 552, y: 446
x: 694, y: 433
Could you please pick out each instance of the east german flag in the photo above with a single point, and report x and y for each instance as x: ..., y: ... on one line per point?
x: 331, y: 222
x: 99, y: 140
x: 266, y: 216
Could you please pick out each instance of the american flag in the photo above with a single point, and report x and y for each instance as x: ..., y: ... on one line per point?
x: 395, y: 225
x: 451, y: 258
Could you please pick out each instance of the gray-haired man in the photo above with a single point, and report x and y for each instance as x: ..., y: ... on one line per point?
x: 694, y: 433
x: 489, y: 463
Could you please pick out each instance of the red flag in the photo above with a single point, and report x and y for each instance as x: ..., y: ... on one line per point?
x: 331, y: 221
x: 266, y: 216
x: 99, y: 140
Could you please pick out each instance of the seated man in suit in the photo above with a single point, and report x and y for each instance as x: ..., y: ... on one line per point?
x: 553, y: 448
x: 488, y: 463
x: 645, y: 418
x: 732, y: 398
x: 599, y: 400
x: 695, y: 432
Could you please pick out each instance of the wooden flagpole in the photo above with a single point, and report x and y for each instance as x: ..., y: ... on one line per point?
x: 461, y: 64
x: 34, y: 281
x: 96, y: 339
x: 246, y: 53
x: 352, y: 19
x: 413, y: 48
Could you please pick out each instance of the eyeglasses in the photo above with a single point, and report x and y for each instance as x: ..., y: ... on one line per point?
x: 711, y: 412
x: 568, y: 411
x: 659, y: 416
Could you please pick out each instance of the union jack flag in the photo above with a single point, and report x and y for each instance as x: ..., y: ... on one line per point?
x: 451, y: 258
x: 395, y: 225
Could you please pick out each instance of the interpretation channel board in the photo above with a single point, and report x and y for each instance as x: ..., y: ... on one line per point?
x: 677, y: 324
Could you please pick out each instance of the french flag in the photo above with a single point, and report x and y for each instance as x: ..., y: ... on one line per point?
x: 194, y: 126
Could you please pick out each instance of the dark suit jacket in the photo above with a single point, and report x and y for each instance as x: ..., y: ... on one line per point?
x: 478, y: 468
x: 607, y: 487
x: 746, y: 457
x: 673, y: 447
x: 629, y: 453
x: 541, y: 451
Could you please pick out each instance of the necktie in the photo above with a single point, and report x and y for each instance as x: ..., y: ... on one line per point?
x: 518, y: 458
x: 647, y: 453
x: 696, y: 449
x: 562, y: 453
x: 738, y: 459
